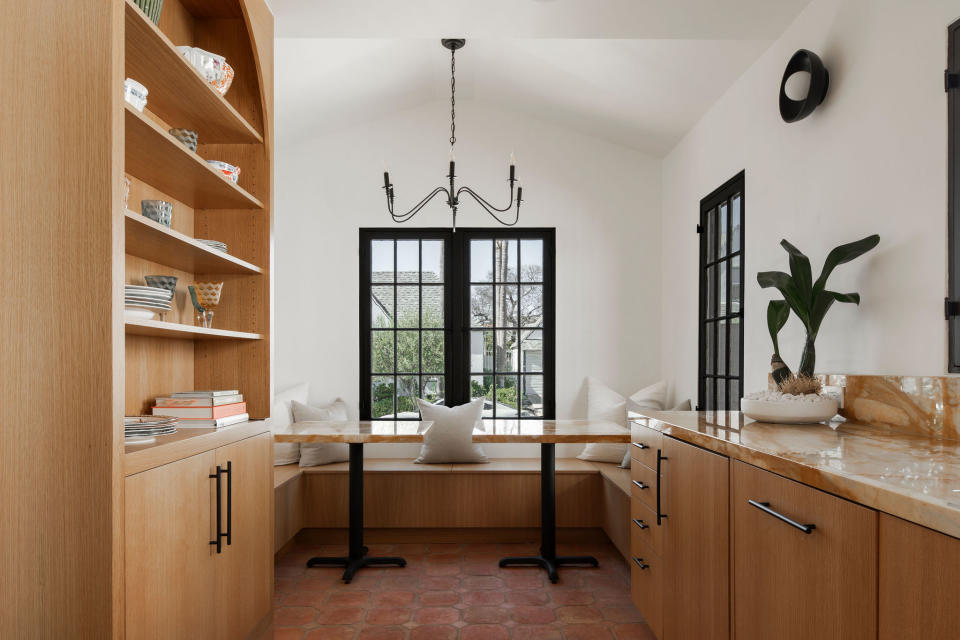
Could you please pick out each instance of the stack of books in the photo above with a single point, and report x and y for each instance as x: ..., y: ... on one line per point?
x: 204, y: 409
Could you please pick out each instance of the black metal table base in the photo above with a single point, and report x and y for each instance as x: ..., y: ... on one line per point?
x: 358, y: 558
x: 548, y: 559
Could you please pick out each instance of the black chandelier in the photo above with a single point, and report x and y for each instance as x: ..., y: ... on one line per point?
x: 453, y: 194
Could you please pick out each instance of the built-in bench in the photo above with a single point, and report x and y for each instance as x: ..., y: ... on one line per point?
x: 503, y: 495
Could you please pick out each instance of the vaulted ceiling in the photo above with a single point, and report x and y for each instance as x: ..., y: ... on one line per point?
x: 636, y: 72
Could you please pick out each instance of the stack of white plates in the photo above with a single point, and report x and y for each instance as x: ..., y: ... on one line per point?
x: 214, y: 244
x: 145, y: 429
x: 142, y: 302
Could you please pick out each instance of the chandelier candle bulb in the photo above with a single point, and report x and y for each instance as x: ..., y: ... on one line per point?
x: 386, y: 180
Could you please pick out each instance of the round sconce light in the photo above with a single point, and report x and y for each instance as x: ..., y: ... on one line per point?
x: 795, y: 107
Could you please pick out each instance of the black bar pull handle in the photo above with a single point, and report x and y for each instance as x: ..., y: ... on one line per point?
x: 640, y: 484
x: 640, y: 563
x: 660, y: 459
x: 640, y: 445
x: 229, y: 502
x: 219, y: 510
x: 765, y: 507
x: 641, y: 524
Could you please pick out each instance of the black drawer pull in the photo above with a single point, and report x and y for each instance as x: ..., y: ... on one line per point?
x: 641, y: 524
x: 765, y: 507
x: 640, y: 563
x: 660, y: 459
x: 640, y: 445
x: 217, y: 542
x: 640, y: 484
x: 229, y: 503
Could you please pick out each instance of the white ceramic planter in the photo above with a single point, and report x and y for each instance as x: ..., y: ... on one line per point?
x: 790, y: 411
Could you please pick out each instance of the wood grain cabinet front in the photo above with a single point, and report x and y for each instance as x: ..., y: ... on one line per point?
x: 804, y: 561
x: 919, y: 582
x: 646, y: 584
x: 199, y: 564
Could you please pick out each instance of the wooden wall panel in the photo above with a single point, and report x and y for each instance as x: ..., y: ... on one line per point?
x: 288, y: 510
x: 616, y: 516
x: 61, y: 269
x: 156, y: 367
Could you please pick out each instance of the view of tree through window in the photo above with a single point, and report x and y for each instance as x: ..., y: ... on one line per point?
x: 449, y: 317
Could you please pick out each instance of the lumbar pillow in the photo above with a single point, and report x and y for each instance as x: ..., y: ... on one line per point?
x: 314, y: 454
x: 450, y: 437
x: 281, y: 417
x: 603, y: 403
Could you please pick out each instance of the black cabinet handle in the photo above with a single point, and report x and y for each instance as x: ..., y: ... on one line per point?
x: 219, y: 510
x: 640, y: 484
x: 640, y: 445
x: 229, y: 502
x: 639, y: 562
x: 660, y: 459
x: 765, y: 507
x: 641, y: 524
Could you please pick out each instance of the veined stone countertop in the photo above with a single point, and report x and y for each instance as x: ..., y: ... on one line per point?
x: 913, y: 477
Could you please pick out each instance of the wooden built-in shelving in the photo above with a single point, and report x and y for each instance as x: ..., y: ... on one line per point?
x: 178, y: 93
x: 155, y: 242
x: 160, y: 329
x: 160, y: 160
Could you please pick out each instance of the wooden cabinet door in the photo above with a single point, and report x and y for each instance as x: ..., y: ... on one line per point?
x: 696, y: 542
x: 646, y: 585
x: 245, y: 569
x: 169, y: 583
x: 790, y: 584
x: 919, y: 582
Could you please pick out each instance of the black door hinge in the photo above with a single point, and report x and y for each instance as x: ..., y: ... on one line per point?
x: 951, y: 308
x: 951, y: 80
x: 699, y: 229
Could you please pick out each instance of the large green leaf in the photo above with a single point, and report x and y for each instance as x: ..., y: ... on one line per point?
x: 843, y: 254
x: 799, y: 269
x: 822, y: 302
x: 845, y: 297
x: 778, y: 311
x: 785, y: 284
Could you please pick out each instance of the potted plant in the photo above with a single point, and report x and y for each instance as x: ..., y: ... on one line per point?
x: 798, y: 398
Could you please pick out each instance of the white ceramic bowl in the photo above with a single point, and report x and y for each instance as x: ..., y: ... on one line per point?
x: 135, y: 93
x: 228, y: 170
x: 790, y: 411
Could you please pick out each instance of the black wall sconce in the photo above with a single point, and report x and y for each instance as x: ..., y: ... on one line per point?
x: 803, y: 60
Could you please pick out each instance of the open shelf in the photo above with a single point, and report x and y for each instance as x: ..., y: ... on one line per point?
x: 159, y: 329
x: 160, y: 160
x: 157, y: 243
x: 178, y: 94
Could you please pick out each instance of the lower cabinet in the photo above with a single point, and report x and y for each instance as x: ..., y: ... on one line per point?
x: 804, y: 561
x: 919, y: 582
x: 177, y: 582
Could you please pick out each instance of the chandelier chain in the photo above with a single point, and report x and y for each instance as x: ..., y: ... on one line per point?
x: 453, y: 97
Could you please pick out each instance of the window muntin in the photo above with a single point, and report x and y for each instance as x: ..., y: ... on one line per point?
x: 721, y: 297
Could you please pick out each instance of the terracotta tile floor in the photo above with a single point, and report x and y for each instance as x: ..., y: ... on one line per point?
x: 456, y: 592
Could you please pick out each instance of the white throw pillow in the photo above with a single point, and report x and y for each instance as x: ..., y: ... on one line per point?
x: 450, y: 438
x: 603, y: 403
x: 683, y: 406
x: 315, y: 454
x: 281, y: 417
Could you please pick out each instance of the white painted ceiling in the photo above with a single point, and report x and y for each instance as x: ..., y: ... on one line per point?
x: 635, y: 72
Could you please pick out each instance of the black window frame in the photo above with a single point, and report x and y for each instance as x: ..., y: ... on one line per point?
x: 953, y: 196
x: 456, y: 302
x: 722, y: 195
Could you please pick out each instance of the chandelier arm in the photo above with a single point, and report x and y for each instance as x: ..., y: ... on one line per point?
x: 484, y: 201
x: 492, y: 210
x: 403, y: 217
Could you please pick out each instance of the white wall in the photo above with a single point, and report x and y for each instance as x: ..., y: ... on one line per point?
x: 603, y: 200
x: 871, y: 159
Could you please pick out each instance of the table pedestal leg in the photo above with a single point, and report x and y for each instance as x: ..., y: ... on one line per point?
x: 357, y: 558
x: 548, y: 559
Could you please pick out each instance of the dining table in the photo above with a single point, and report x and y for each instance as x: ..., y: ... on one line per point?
x: 546, y: 433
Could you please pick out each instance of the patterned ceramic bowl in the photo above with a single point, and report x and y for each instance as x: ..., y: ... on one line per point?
x: 223, y: 82
x: 208, y: 293
x: 162, y: 282
x: 227, y: 170
x: 157, y: 210
x: 186, y: 137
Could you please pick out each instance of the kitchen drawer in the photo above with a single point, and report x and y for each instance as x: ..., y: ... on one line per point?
x: 644, y: 528
x: 644, y: 445
x: 646, y: 586
x: 643, y: 484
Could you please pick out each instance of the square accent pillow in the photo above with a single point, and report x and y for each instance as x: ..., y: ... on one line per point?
x: 281, y: 417
x: 315, y: 454
x: 603, y: 403
x: 450, y: 438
